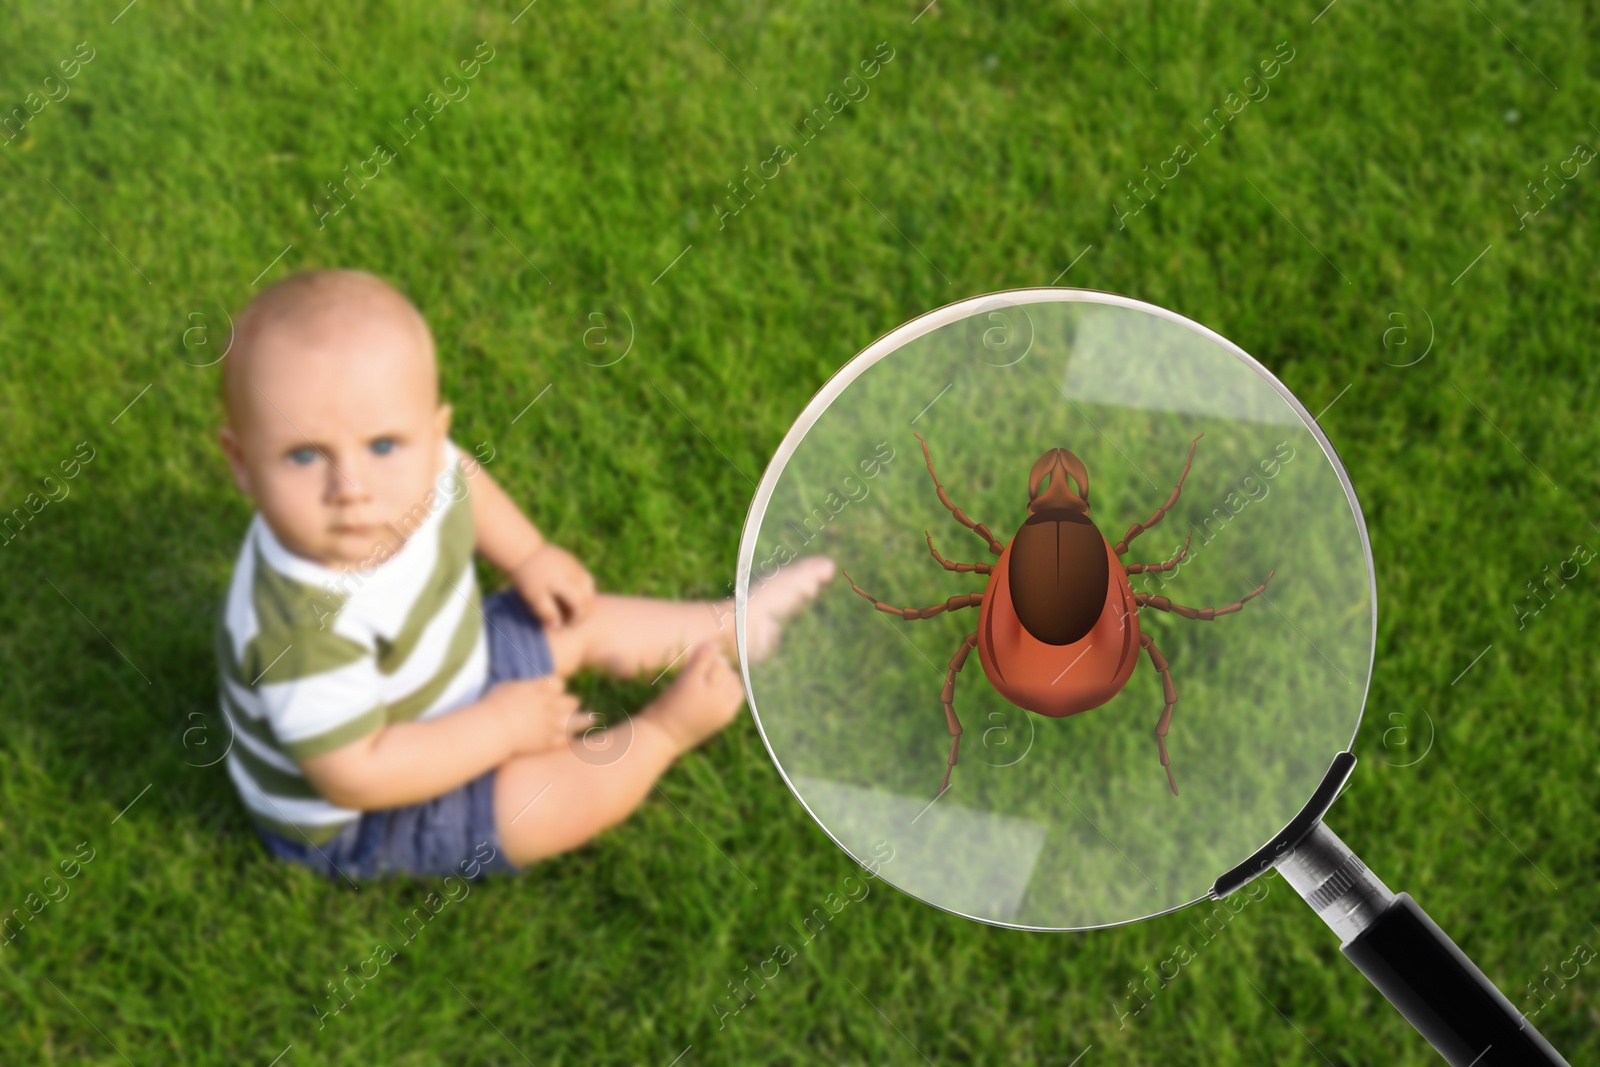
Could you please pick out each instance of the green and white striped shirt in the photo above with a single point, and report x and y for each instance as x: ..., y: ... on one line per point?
x: 312, y: 658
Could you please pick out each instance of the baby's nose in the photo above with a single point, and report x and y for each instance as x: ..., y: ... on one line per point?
x: 346, y: 484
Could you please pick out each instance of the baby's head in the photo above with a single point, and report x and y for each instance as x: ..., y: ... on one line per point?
x: 334, y: 426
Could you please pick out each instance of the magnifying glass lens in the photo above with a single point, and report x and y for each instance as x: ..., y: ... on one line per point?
x: 1008, y: 483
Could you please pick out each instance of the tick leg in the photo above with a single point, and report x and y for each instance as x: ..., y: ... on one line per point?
x: 1161, y: 603
x: 1156, y: 568
x: 955, y: 603
x: 961, y: 568
x: 944, y: 498
x: 1159, y: 661
x: 957, y: 661
x: 1140, y: 527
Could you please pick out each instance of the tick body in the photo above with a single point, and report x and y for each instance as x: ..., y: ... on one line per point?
x: 1064, y: 679
x: 1058, y: 622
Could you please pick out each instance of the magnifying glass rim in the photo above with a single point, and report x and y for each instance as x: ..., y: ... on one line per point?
x: 924, y: 324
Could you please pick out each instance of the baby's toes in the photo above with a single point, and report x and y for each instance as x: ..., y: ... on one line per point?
x: 722, y: 675
x: 700, y: 669
x: 705, y: 660
x: 816, y: 570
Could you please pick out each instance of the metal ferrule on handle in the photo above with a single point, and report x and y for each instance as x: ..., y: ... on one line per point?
x: 1412, y: 962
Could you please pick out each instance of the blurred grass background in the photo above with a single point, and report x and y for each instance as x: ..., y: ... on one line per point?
x: 1376, y: 196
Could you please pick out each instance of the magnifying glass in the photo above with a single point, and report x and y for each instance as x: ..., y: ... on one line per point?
x: 1103, y: 638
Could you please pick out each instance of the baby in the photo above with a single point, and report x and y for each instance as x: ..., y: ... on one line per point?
x: 387, y: 718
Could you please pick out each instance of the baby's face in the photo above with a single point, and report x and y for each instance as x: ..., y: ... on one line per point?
x: 338, y: 437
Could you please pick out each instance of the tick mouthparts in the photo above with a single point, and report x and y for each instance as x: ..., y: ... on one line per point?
x: 1063, y: 469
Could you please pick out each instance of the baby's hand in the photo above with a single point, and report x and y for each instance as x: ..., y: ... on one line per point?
x: 555, y: 585
x: 538, y: 714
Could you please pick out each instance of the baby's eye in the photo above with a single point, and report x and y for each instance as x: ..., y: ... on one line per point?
x: 303, y: 457
x: 383, y: 446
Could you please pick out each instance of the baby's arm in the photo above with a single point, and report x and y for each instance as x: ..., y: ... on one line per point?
x: 409, y: 762
x: 506, y: 538
x: 555, y: 585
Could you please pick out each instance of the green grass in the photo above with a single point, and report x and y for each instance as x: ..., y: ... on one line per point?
x: 988, y: 155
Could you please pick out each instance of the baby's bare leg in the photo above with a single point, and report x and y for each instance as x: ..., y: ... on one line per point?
x: 555, y: 801
x: 628, y: 635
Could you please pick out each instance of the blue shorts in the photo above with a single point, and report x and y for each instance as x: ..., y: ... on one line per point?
x: 453, y: 833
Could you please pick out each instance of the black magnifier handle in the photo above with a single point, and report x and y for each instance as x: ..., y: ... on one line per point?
x: 1412, y: 962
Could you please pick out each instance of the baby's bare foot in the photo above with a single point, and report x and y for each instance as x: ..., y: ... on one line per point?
x: 779, y: 597
x: 704, y: 698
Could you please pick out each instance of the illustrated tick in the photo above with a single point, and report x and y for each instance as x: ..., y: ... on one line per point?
x: 1058, y: 623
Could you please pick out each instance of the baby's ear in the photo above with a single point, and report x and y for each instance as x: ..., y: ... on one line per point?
x: 235, y: 453
x: 442, y: 420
